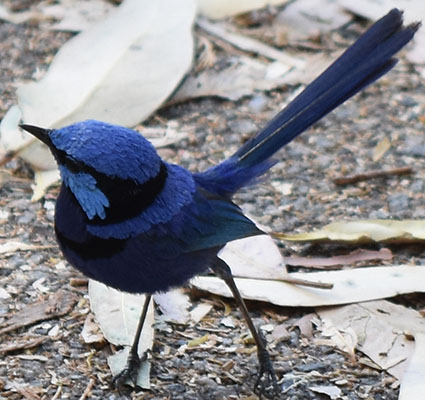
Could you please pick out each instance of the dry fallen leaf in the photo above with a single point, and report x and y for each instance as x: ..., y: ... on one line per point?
x: 118, y: 314
x: 121, y: 80
x: 224, y: 8
x: 413, y: 383
x: 13, y: 246
x: 363, y: 231
x: 333, y: 392
x: 381, y: 148
x: 240, y: 77
x: 254, y: 257
x: 345, y: 339
x: 76, y: 15
x: 349, y: 286
x: 381, y: 328
x: 91, y: 332
x: 304, y: 19
x: 345, y: 259
x: 105, y: 81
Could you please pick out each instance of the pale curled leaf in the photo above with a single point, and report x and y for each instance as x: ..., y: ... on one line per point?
x: 91, y: 332
x: 200, y: 311
x: 43, y: 180
x: 162, y: 137
x: 333, y: 392
x: 76, y: 15
x: 14, y: 139
x: 117, y: 362
x: 413, y: 383
x: 363, y: 231
x: 224, y: 8
x: 12, y: 246
x: 304, y: 19
x: 344, y: 339
x: 18, y: 17
x: 349, y: 286
x: 380, y: 327
x: 381, y: 148
x: 118, y: 314
x: 124, y: 77
x: 240, y: 77
x: 254, y: 257
x: 121, y: 80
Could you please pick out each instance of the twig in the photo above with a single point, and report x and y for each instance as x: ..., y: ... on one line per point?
x: 7, y: 157
x: 58, y: 393
x: 88, y: 389
x: 248, y: 44
x: 304, y: 282
x: 346, y: 180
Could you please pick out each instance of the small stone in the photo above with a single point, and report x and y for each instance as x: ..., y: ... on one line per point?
x: 26, y: 218
x: 258, y: 103
x: 398, y: 202
x: 417, y: 186
x: 408, y: 101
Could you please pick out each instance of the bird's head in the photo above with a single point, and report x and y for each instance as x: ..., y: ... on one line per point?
x: 98, y: 161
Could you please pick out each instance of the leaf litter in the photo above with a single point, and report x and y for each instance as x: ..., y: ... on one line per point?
x: 399, y: 272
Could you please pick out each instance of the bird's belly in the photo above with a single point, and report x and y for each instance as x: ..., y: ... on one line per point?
x: 140, y: 264
x: 133, y: 266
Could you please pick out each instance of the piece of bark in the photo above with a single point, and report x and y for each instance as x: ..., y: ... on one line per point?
x: 56, y: 305
x: 27, y: 343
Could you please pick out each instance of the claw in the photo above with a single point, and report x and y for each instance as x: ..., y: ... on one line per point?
x: 130, y: 371
x: 266, y: 383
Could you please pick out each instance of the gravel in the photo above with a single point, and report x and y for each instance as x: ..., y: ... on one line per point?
x: 64, y: 366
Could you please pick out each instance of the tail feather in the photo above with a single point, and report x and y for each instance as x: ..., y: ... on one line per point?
x: 369, y: 58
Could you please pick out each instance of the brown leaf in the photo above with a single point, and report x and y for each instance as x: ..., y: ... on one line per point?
x: 305, y: 325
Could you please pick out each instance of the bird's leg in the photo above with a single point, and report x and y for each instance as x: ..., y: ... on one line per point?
x: 266, y: 374
x: 133, y: 360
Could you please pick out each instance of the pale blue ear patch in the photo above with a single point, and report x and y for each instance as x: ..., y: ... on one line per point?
x: 83, y: 186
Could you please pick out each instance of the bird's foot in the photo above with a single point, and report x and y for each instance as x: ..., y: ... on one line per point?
x: 130, y: 370
x: 266, y: 383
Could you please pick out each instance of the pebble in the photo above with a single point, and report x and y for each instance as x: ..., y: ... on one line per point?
x: 177, y: 388
x: 243, y: 126
x: 258, y: 103
x: 398, y: 202
x: 378, y: 214
x: 26, y: 217
x: 408, y: 101
x: 314, y: 366
x: 417, y: 186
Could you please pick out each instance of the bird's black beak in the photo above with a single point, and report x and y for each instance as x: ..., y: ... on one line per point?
x: 40, y: 133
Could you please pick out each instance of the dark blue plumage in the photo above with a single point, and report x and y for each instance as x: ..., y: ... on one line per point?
x: 134, y: 222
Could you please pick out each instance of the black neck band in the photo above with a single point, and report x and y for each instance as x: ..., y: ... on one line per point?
x: 127, y: 198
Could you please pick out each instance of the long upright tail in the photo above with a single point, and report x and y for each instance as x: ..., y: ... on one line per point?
x: 369, y: 58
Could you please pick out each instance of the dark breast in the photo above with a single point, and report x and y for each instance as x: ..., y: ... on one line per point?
x: 132, y: 265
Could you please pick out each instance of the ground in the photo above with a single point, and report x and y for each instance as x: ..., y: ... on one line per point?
x: 62, y: 366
